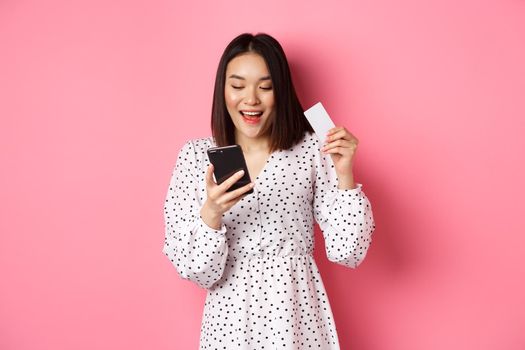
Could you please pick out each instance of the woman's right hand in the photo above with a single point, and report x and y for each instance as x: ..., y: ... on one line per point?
x: 219, y: 201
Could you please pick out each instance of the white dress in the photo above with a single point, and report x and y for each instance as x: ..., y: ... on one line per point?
x: 264, y: 290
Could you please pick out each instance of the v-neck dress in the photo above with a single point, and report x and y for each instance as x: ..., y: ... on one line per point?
x: 264, y: 290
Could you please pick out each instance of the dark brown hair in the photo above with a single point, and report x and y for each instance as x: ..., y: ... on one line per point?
x: 289, y: 122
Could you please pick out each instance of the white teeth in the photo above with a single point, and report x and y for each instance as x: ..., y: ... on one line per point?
x: 252, y: 113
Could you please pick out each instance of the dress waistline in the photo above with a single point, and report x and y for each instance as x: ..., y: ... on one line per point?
x: 281, y: 257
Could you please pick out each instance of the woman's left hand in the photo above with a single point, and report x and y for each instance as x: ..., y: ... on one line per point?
x: 341, y: 145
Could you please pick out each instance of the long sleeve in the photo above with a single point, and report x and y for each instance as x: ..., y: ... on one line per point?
x: 197, y: 251
x: 344, y: 216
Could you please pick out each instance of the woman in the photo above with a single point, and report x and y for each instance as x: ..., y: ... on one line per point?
x: 253, y: 252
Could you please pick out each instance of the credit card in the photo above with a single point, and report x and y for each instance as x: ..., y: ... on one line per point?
x: 319, y: 120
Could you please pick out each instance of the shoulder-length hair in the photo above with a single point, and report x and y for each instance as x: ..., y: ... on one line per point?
x: 288, y: 123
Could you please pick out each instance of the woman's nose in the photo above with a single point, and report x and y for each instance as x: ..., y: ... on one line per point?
x: 251, y: 97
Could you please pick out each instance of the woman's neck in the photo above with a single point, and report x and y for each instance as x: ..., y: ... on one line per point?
x: 251, y: 145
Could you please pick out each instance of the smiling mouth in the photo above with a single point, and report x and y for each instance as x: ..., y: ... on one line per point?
x: 251, y: 117
x: 251, y: 114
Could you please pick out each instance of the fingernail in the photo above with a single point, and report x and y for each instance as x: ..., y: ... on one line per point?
x: 240, y: 172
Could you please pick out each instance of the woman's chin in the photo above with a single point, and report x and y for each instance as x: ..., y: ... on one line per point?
x: 251, y: 132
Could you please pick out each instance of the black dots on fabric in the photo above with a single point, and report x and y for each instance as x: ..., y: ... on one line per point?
x: 264, y: 290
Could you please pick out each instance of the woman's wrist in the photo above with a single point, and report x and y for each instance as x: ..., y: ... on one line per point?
x: 346, y: 183
x: 210, y: 218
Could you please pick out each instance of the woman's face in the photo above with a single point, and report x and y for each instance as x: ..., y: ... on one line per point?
x: 249, y: 94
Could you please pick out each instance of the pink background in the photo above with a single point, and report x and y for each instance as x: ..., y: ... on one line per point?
x: 97, y: 97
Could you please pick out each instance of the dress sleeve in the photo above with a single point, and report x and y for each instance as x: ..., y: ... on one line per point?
x: 197, y: 251
x: 344, y: 216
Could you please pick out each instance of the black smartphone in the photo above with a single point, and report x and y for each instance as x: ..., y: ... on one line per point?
x: 227, y: 161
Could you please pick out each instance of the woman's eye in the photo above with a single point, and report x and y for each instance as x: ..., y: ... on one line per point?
x: 240, y: 87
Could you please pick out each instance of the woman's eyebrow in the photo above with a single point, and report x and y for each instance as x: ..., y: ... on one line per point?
x: 235, y: 76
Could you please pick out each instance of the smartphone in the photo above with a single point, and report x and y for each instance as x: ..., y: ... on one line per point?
x: 227, y: 161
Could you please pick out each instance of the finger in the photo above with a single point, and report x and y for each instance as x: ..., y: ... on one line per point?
x: 334, y: 129
x: 351, y: 137
x: 232, y: 202
x: 340, y: 133
x: 228, y: 196
x: 231, y: 180
x: 209, y: 176
x: 344, y: 151
x: 339, y: 143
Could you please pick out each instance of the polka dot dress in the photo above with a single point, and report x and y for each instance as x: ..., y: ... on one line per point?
x: 264, y: 290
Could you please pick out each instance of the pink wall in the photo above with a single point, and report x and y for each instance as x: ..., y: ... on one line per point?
x: 96, y: 97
